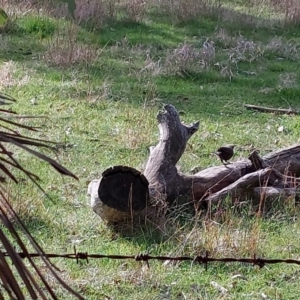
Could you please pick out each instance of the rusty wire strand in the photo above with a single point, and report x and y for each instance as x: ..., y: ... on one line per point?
x: 200, y: 259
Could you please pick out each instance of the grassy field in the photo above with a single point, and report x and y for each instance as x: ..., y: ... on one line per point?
x: 97, y: 87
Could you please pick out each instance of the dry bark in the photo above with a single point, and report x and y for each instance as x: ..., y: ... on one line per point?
x: 165, y: 183
x: 243, y: 186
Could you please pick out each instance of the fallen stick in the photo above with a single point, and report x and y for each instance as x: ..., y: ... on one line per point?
x: 272, y: 110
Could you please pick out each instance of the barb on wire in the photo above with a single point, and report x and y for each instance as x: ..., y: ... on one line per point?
x: 256, y: 261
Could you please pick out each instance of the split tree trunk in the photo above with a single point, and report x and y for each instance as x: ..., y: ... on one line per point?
x: 125, y: 192
x: 165, y: 183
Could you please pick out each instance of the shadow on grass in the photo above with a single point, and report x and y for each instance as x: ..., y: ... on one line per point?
x: 234, y: 21
x: 156, y: 34
x: 273, y: 214
x: 157, y: 229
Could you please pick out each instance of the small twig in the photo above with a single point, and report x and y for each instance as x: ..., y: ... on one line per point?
x: 272, y: 110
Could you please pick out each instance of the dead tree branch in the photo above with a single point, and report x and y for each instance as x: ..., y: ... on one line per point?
x: 272, y: 110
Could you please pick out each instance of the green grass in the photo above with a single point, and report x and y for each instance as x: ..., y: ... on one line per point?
x: 102, y: 105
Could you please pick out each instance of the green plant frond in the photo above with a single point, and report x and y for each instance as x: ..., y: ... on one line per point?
x: 49, y: 160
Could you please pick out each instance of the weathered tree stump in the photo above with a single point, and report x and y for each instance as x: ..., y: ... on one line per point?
x: 165, y: 183
x: 123, y: 191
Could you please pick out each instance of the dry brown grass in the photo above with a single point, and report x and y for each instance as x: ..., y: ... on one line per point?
x: 9, y: 77
x: 287, y: 49
x: 64, y: 50
x: 229, y: 237
x: 187, y: 58
x: 290, y: 8
x: 95, y: 13
x: 288, y: 80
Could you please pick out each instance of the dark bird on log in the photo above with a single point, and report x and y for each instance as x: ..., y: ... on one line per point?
x: 225, y: 153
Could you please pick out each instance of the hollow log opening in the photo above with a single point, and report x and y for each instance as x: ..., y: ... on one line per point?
x: 124, y: 188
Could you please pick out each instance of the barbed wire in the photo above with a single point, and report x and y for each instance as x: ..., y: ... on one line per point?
x: 200, y: 259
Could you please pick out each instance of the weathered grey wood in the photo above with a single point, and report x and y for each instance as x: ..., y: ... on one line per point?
x: 165, y: 183
x: 256, y: 161
x: 286, y: 161
x: 108, y: 214
x: 124, y: 188
x: 240, y: 187
x: 214, y: 179
x: 279, y: 160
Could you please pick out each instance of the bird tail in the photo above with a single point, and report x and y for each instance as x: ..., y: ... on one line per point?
x: 216, y: 153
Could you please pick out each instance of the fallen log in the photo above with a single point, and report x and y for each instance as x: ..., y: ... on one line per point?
x: 161, y: 182
x: 267, y: 174
x: 214, y: 179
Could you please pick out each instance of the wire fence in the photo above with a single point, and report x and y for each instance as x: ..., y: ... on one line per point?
x: 200, y: 259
